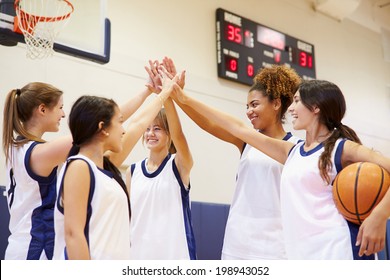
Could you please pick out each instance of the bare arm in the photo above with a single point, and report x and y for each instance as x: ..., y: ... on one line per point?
x: 275, y: 148
x: 140, y: 121
x: 132, y: 105
x: 127, y: 110
x: 46, y: 156
x: 204, y: 123
x: 372, y: 232
x: 183, y: 159
x: 210, y: 126
x: 76, y: 190
x: 354, y: 152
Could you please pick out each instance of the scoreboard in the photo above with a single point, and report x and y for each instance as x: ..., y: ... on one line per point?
x: 244, y: 46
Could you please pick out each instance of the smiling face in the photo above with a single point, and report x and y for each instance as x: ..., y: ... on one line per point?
x: 116, y: 132
x: 54, y: 115
x: 302, y: 116
x: 261, y: 112
x: 155, y: 136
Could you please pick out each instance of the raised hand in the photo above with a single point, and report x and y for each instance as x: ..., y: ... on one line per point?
x: 171, y: 69
x: 154, y: 83
x: 167, y: 83
x: 178, y: 94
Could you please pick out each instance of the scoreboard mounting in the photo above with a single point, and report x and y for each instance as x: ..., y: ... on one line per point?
x: 244, y: 46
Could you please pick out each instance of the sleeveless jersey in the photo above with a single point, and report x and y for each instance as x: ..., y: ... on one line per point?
x: 31, y: 200
x: 254, y: 229
x: 107, y: 226
x: 161, y: 226
x: 312, y: 226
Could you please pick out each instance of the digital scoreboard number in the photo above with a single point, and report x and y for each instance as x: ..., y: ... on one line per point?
x: 244, y: 46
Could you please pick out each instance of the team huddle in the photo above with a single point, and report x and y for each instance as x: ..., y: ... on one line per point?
x: 67, y: 198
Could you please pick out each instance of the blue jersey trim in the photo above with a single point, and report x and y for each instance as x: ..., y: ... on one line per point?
x: 11, y: 191
x: 41, y: 179
x: 312, y: 151
x: 339, y: 152
x: 132, y: 167
x: 185, y: 199
x: 90, y: 196
x: 42, y: 218
x: 157, y: 171
x: 106, y: 172
x: 287, y: 136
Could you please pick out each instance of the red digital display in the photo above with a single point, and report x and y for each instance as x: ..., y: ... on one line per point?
x: 305, y: 59
x: 234, y: 34
x: 244, y: 47
x: 231, y: 64
x: 250, y: 70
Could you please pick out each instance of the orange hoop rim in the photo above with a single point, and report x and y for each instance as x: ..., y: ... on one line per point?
x: 41, y: 18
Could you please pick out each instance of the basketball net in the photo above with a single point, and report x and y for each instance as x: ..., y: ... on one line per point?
x: 40, y: 22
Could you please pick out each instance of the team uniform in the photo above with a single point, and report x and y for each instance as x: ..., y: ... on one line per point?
x: 313, y: 228
x: 254, y: 228
x: 31, y: 200
x: 161, y: 226
x: 107, y: 226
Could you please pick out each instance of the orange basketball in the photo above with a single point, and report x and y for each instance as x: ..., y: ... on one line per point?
x: 358, y: 188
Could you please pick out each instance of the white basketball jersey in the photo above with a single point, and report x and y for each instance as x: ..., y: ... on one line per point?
x: 254, y: 228
x: 107, y: 227
x: 312, y: 226
x: 161, y: 226
x: 31, y: 200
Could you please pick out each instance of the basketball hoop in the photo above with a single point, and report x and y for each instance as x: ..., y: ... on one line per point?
x: 40, y: 21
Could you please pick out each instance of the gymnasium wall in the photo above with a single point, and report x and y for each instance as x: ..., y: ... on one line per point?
x: 346, y: 53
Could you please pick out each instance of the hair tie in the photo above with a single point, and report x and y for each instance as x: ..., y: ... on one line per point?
x: 75, y: 144
x: 18, y: 92
x: 338, y: 125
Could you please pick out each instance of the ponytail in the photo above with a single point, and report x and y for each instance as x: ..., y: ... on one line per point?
x: 330, y: 100
x: 10, y: 116
x: 325, y: 162
x: 85, y: 116
x: 18, y: 109
x: 348, y: 133
x: 74, y: 150
x: 109, y: 166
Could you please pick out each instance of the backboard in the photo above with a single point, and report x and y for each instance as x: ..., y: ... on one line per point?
x: 87, y: 34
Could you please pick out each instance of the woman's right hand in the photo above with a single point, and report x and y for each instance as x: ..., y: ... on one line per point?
x: 171, y: 69
x: 154, y: 83
x: 167, y: 83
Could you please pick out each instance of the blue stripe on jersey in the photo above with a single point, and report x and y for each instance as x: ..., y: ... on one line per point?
x: 185, y: 198
x: 42, y: 219
x: 12, y: 186
x: 92, y: 185
x: 287, y: 136
x: 312, y: 151
x: 132, y: 169
x: 353, y: 228
x: 90, y: 196
x: 337, y: 158
x: 66, y: 254
x: 158, y: 170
